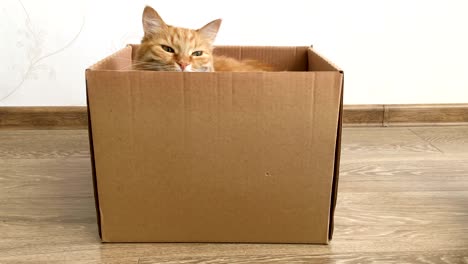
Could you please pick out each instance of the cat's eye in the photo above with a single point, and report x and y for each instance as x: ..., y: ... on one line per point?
x: 167, y: 49
x: 197, y: 53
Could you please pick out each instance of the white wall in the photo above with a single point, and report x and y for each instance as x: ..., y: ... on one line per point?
x: 393, y: 52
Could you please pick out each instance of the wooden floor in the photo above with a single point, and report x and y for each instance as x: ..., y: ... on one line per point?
x: 403, y: 199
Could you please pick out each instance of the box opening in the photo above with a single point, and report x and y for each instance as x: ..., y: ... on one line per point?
x: 293, y: 59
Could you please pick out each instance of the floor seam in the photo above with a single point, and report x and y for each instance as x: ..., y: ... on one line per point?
x: 416, y: 134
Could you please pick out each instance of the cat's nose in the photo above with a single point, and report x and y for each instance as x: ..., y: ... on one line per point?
x: 182, y: 65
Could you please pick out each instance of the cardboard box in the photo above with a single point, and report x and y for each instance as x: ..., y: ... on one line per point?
x: 216, y: 157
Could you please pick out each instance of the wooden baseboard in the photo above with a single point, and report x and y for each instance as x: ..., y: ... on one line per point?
x: 405, y: 115
x: 75, y: 117
x: 363, y: 115
x: 66, y: 117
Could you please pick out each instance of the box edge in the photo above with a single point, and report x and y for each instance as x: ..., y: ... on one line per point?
x: 334, y: 190
x: 91, y: 151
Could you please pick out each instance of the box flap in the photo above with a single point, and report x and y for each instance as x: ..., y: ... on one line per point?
x: 319, y: 63
x: 336, y: 172
x: 93, y: 167
x: 119, y: 61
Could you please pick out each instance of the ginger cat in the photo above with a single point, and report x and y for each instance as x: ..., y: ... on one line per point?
x: 169, y: 48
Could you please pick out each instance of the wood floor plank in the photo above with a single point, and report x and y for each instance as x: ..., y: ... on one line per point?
x: 435, y: 173
x: 448, y: 257
x: 418, y: 224
x: 229, y: 252
x: 69, y: 257
x: 61, y: 177
x: 403, y: 198
x: 402, y: 208
x: 350, y: 239
x: 447, y: 139
x: 68, y: 261
x: 372, y: 142
x: 51, y: 209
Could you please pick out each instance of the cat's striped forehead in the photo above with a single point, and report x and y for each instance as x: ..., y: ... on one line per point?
x: 181, y: 34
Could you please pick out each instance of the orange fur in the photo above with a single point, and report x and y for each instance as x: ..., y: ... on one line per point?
x: 169, y: 48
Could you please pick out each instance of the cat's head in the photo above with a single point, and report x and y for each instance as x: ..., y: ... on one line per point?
x: 168, y: 48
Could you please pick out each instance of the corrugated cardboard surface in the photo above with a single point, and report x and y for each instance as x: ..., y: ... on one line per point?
x: 216, y: 157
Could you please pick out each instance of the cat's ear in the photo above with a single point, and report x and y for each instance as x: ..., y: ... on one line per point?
x: 152, y: 22
x: 210, y: 30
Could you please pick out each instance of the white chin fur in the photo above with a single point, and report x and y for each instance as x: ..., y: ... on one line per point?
x: 187, y: 69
